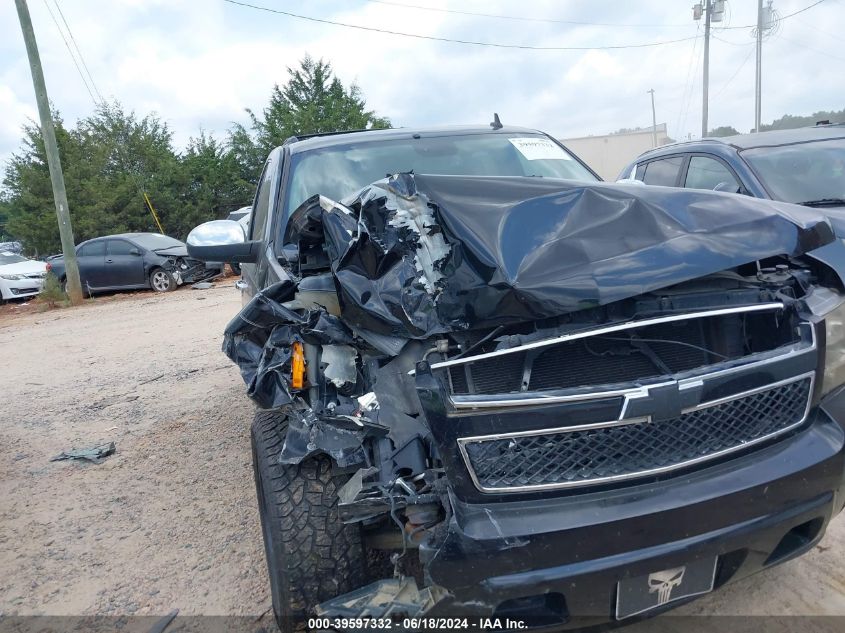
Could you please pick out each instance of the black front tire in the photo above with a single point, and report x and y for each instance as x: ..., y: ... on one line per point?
x: 311, y: 555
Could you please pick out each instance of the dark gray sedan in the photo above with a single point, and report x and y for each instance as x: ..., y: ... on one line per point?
x: 134, y: 260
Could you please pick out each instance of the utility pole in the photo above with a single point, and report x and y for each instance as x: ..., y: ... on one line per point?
x: 708, y: 7
x: 714, y: 11
x: 48, y: 133
x: 758, y: 80
x: 653, y: 120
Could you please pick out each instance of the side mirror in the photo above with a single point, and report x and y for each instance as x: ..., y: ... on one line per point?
x: 222, y: 241
x: 727, y: 187
x: 135, y: 251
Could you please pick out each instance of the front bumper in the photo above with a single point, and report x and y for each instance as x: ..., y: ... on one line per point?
x: 509, y: 558
x: 18, y: 288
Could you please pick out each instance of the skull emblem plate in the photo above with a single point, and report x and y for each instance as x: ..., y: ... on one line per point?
x: 663, y: 582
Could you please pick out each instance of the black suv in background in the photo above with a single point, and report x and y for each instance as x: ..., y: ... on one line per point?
x: 491, y: 385
x: 803, y: 166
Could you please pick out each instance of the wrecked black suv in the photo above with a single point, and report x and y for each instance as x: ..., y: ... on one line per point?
x: 491, y: 387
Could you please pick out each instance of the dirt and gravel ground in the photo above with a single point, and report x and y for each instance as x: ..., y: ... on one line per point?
x: 170, y: 521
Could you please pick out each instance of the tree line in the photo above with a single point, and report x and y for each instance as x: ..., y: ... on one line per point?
x: 786, y: 122
x: 114, y: 156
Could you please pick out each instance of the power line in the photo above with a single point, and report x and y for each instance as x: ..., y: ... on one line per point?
x: 72, y: 57
x: 687, y: 81
x: 741, y: 66
x: 783, y: 17
x: 815, y: 28
x: 515, y: 17
x: 78, y: 51
x: 456, y: 41
x: 119, y: 148
x: 810, y: 48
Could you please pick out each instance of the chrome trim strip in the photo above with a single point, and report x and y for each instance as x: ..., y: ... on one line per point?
x: 627, y: 325
x: 538, y: 398
x: 643, y: 473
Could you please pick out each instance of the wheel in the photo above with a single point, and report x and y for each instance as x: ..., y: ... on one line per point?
x: 311, y: 555
x: 162, y: 281
x: 236, y: 268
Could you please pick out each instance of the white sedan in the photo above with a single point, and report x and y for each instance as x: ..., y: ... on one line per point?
x: 19, y: 276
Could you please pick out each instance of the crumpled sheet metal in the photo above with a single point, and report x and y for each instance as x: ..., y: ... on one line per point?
x: 340, y: 437
x: 523, y: 249
x: 260, y: 337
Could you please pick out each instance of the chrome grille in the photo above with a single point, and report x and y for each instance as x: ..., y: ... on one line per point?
x: 593, y: 454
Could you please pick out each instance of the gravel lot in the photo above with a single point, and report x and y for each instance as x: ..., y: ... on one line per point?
x: 170, y: 521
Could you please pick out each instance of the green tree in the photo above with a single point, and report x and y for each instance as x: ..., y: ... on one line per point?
x: 722, y: 130
x: 214, y: 183
x: 790, y: 121
x: 108, y: 160
x: 312, y: 101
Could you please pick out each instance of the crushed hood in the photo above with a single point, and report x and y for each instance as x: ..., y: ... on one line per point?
x: 416, y: 255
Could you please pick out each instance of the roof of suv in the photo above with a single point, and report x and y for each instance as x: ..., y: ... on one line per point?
x: 759, y: 139
x: 329, y: 140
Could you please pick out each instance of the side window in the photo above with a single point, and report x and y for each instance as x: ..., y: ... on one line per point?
x: 261, y: 208
x: 94, y: 249
x: 708, y: 173
x: 119, y: 247
x: 663, y: 172
x: 640, y: 172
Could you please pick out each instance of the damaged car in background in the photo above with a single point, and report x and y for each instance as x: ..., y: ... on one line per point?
x: 494, y: 394
x: 132, y: 261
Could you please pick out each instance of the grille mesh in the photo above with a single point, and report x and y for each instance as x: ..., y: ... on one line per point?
x: 590, y: 456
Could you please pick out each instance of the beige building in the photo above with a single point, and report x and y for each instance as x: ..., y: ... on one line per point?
x: 609, y: 154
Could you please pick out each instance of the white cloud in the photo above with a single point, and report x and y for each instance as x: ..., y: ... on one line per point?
x: 199, y: 64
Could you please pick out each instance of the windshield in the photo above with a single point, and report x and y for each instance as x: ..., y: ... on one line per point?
x: 342, y: 170
x: 10, y: 258
x: 803, y: 172
x: 154, y: 241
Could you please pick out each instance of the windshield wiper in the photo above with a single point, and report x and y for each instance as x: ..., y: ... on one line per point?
x: 823, y: 202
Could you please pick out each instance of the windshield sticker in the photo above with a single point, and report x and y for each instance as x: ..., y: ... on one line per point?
x: 534, y: 148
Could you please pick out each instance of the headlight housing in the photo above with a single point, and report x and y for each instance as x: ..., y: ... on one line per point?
x: 834, y: 354
x: 12, y: 277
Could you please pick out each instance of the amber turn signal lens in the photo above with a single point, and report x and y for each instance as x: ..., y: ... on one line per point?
x: 297, y: 371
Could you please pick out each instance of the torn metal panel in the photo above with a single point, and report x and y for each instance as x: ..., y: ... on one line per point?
x: 260, y: 337
x: 339, y: 436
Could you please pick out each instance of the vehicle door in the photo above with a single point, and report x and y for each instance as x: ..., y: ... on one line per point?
x: 253, y: 275
x: 91, y: 261
x: 124, y: 264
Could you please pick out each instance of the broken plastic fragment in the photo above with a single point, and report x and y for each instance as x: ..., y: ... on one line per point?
x: 95, y: 454
x: 339, y: 363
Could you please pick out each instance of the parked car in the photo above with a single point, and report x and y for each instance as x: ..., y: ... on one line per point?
x: 134, y: 260
x: 502, y: 388
x: 803, y: 166
x: 20, y: 277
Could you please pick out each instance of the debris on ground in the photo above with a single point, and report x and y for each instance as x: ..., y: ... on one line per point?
x: 202, y: 285
x: 95, y: 454
x: 164, y: 622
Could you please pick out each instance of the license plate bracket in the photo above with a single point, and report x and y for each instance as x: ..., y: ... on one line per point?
x: 650, y: 591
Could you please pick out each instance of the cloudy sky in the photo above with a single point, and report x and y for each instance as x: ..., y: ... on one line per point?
x: 199, y: 63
